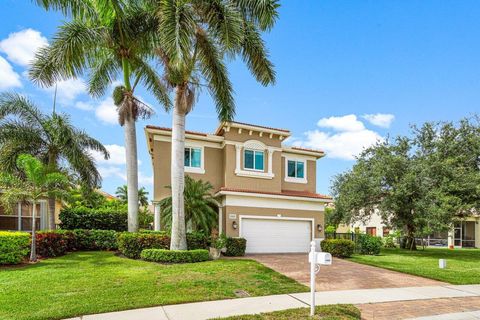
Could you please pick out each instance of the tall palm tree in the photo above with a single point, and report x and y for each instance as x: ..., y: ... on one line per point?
x: 38, y: 183
x: 51, y: 138
x: 200, y: 206
x: 195, y: 39
x: 122, y: 195
x: 104, y: 40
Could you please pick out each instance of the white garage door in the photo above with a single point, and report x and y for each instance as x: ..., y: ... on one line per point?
x: 276, y: 235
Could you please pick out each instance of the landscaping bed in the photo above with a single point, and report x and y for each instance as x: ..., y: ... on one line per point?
x: 334, y: 312
x: 92, y: 282
x: 463, y: 265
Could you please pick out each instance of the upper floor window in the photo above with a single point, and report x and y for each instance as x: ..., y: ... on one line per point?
x: 254, y: 160
x: 296, y: 169
x: 193, y: 157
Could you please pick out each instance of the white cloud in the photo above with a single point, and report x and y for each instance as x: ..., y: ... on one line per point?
x: 8, y: 77
x: 112, y: 172
x: 117, y: 155
x: 107, y: 112
x: 344, y: 123
x: 20, y: 47
x: 144, y: 179
x: 346, y: 138
x: 383, y: 120
x: 84, y: 106
x: 68, y: 90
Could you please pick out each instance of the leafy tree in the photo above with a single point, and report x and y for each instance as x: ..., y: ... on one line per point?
x: 86, y: 197
x: 200, y: 206
x: 122, y: 195
x: 104, y: 40
x: 39, y: 183
x: 195, y: 40
x: 419, y: 184
x: 51, y: 138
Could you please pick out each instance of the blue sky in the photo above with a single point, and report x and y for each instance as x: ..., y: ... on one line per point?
x: 348, y: 73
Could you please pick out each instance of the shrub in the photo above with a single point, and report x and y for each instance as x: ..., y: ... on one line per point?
x: 340, y: 248
x: 236, y: 247
x: 14, y: 247
x: 51, y: 244
x: 69, y: 239
x: 389, y: 241
x: 131, y: 244
x: 368, y: 244
x: 94, y: 219
x: 175, y: 256
x: 197, y: 240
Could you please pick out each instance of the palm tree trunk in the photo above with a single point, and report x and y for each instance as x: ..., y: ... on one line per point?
x: 33, y: 249
x: 178, y: 239
x: 132, y: 173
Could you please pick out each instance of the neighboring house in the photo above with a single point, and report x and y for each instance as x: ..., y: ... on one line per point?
x: 374, y: 226
x: 267, y: 191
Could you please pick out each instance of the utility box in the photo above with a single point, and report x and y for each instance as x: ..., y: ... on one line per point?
x: 442, y: 263
x: 323, y: 258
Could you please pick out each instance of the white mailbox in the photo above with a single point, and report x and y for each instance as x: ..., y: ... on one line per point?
x: 323, y: 258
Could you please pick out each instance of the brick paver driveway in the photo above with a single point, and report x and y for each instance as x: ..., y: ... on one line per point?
x: 341, y: 275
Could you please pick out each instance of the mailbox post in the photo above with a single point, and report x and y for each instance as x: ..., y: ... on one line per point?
x: 316, y: 259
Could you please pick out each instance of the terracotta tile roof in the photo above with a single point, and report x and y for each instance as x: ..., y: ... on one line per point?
x: 170, y: 129
x: 307, y: 149
x: 288, y: 193
x: 263, y: 127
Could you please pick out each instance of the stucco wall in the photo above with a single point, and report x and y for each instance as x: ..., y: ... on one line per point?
x: 310, y: 186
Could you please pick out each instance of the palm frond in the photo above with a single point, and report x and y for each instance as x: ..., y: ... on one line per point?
x: 73, y: 48
x: 74, y: 8
x: 14, y: 104
x: 215, y: 72
x: 104, y: 71
x: 263, y: 13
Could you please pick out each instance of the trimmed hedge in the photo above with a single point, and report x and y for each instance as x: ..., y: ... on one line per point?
x: 236, y: 247
x: 175, y: 256
x: 14, y: 247
x: 370, y: 245
x: 340, y: 248
x: 131, y: 244
x: 94, y: 219
x: 58, y: 242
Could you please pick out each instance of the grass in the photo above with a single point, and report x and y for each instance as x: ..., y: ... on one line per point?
x: 93, y: 282
x: 333, y: 312
x: 463, y: 265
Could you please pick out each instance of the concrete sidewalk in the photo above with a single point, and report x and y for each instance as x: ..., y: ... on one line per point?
x: 224, y: 308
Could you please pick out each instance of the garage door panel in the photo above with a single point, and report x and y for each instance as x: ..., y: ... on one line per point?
x: 276, y: 235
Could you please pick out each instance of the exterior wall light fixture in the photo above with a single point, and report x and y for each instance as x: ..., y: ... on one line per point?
x: 319, y: 227
x: 234, y: 225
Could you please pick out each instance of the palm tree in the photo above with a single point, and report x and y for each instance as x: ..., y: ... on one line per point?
x: 51, y: 138
x: 195, y: 40
x: 122, y: 195
x: 200, y: 206
x: 39, y: 183
x: 106, y: 39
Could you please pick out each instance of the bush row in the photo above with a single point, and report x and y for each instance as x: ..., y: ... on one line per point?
x: 14, y: 246
x: 236, y: 247
x: 175, y: 256
x: 340, y: 248
x: 94, y: 219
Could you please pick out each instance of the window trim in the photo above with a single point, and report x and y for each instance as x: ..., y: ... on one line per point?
x: 201, y: 169
x: 295, y: 179
x: 254, y: 151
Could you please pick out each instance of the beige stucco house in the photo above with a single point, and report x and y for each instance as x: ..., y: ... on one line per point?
x: 267, y: 191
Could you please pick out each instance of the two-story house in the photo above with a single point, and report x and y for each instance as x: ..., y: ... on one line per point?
x: 266, y: 191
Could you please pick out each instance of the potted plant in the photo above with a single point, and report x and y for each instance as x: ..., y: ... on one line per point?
x: 218, y: 245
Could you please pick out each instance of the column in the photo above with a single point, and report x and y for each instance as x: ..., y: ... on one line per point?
x: 220, y: 220
x: 238, y: 159
x: 19, y: 214
x: 156, y: 216
x: 451, y: 234
x: 270, y: 161
x: 477, y: 233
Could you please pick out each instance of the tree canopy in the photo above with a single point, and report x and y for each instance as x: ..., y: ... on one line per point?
x: 418, y: 183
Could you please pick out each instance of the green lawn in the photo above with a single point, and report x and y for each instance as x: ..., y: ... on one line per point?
x: 463, y: 266
x: 92, y: 282
x: 334, y: 312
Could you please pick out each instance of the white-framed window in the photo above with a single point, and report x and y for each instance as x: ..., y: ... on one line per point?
x: 253, y: 160
x: 194, y: 159
x: 296, y: 170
